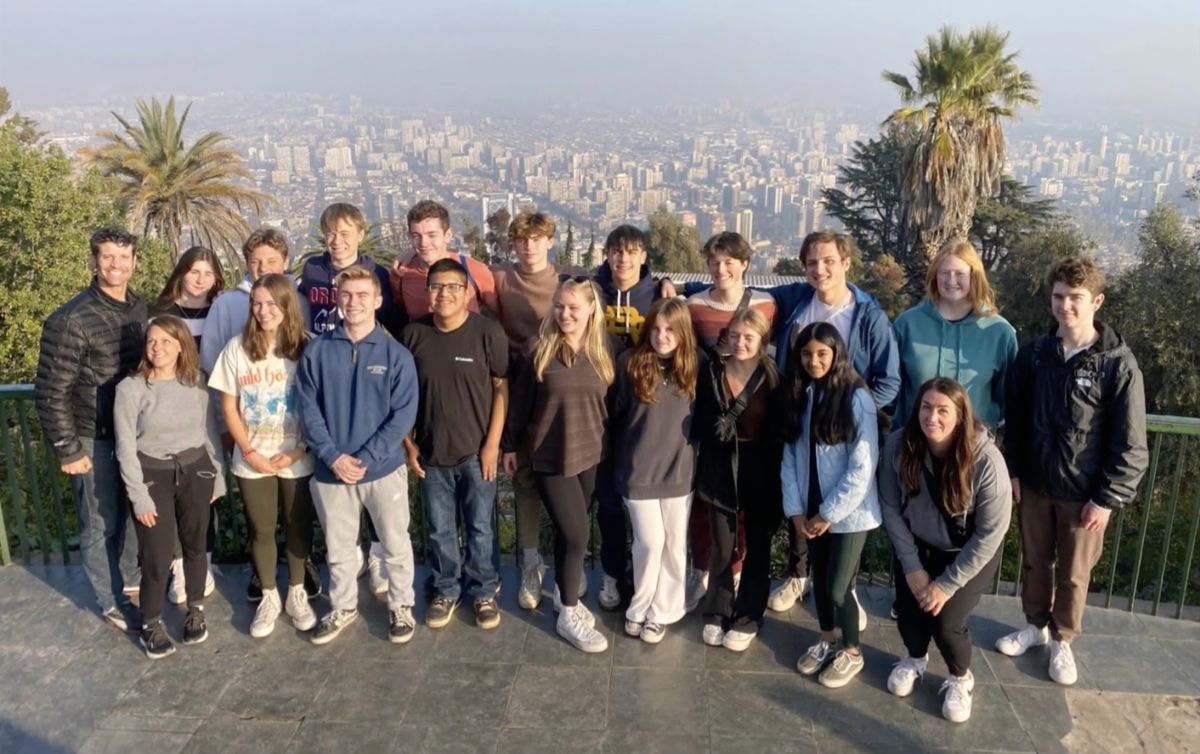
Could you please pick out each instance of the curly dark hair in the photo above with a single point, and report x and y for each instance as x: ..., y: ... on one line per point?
x: 110, y: 234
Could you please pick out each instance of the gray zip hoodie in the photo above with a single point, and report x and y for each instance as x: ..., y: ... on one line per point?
x: 919, y: 517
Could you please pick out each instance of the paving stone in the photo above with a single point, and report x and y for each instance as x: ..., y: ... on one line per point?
x: 759, y: 705
x: 463, y: 641
x: 1045, y: 716
x: 662, y: 701
x: 801, y: 742
x: 470, y: 695
x: 680, y: 648
x: 124, y: 741
x: 1186, y: 655
x: 279, y: 691
x: 994, y: 725
x: 319, y: 737
x: 543, y: 645
x: 775, y: 650
x: 532, y: 741
x: 1170, y: 628
x: 380, y: 694
x: 232, y: 735
x: 182, y: 685
x: 618, y: 742
x: 1132, y: 664
x: 559, y: 698
x: 416, y: 739
x: 861, y: 713
x: 151, y: 723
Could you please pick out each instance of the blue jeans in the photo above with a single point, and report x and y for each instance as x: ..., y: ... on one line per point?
x: 105, y: 517
x: 610, y: 519
x: 444, y: 491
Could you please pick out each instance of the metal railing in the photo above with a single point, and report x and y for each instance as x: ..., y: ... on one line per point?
x: 1149, y: 552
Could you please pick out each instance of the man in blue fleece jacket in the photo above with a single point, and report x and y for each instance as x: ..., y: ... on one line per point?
x: 358, y: 401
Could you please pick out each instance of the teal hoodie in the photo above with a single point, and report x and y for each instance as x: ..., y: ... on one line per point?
x: 975, y: 351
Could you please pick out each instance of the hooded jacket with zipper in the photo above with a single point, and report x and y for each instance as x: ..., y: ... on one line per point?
x: 317, y: 289
x: 1075, y: 429
x: 88, y: 345
x: 918, y: 518
x: 976, y: 352
x: 872, y: 346
x: 625, y: 311
x: 718, y: 461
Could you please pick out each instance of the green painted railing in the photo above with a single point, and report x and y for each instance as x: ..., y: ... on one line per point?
x: 1147, y: 563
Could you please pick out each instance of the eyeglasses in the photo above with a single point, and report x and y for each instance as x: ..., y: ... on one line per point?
x: 452, y: 288
x: 574, y: 279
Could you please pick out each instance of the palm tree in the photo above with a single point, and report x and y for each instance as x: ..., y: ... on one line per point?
x: 171, y: 188
x: 962, y: 90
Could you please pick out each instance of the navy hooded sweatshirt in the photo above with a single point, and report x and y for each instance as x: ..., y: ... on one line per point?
x: 625, y: 311
x: 317, y: 288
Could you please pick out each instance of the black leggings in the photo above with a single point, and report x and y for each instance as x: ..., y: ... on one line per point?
x: 798, y: 559
x: 273, y: 499
x: 745, y: 611
x: 566, y: 499
x: 834, y: 562
x: 948, y: 629
x: 181, y: 493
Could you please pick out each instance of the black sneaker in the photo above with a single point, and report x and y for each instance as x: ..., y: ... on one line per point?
x: 440, y: 612
x: 116, y: 618
x: 486, y: 614
x: 332, y: 624
x: 194, y: 630
x: 402, y: 625
x: 254, y: 590
x: 155, y: 640
x: 312, y: 581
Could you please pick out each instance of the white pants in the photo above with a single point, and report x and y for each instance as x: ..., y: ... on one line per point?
x: 659, y: 558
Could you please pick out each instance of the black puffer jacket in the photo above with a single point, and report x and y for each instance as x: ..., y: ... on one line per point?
x: 1076, y: 429
x: 88, y: 345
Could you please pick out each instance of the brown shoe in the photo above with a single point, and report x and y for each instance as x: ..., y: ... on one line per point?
x: 486, y: 614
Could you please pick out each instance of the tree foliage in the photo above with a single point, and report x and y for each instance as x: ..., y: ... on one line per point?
x: 47, y: 216
x: 24, y: 129
x: 472, y: 240
x: 568, y: 253
x: 1002, y: 221
x: 170, y: 187
x: 672, y: 246
x: 964, y: 87
x: 1154, y: 304
x: 1021, y: 290
x: 867, y: 199
x: 590, y: 260
x: 496, y: 238
x: 789, y: 266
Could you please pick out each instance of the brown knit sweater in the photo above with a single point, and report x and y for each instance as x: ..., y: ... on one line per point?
x: 523, y: 299
x: 564, y: 416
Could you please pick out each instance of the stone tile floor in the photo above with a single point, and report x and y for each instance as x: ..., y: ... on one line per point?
x: 69, y: 683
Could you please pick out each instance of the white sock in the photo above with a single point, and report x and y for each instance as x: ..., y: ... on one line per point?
x: 530, y: 556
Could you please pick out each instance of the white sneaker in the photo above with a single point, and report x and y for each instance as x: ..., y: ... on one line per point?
x: 787, y: 594
x: 1016, y: 643
x: 210, y: 584
x: 713, y: 636
x: 906, y: 673
x: 633, y: 628
x: 653, y: 633
x: 1062, y: 663
x: 530, y: 593
x: 378, y: 571
x: 815, y: 658
x: 697, y: 586
x: 738, y: 641
x: 863, y: 618
x: 585, y: 614
x: 573, y: 626
x: 177, y: 594
x: 956, y: 707
x: 266, y: 615
x: 298, y: 609
x: 610, y: 596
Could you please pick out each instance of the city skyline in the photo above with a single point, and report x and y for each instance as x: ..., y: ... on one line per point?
x: 1090, y: 61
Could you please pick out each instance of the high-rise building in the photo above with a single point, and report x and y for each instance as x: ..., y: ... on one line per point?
x: 1122, y: 164
x: 773, y: 199
x: 743, y: 223
x: 729, y: 198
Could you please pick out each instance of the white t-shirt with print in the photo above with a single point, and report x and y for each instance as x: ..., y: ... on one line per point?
x: 269, y: 405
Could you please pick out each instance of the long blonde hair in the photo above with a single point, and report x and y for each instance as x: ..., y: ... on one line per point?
x: 551, y: 343
x: 983, y: 301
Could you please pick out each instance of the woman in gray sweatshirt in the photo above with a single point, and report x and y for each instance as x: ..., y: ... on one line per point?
x: 654, y: 462
x: 166, y: 448
x: 947, y: 502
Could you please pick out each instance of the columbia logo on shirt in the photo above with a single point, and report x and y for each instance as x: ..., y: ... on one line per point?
x: 464, y: 358
x: 377, y: 369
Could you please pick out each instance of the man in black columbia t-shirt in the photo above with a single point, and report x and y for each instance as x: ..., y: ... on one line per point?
x: 462, y: 363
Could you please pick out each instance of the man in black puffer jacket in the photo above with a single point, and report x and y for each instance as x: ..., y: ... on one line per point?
x: 89, y: 345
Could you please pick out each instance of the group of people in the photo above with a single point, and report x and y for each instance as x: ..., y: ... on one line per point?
x: 704, y: 420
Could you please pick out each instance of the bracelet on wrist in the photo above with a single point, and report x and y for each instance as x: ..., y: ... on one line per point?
x: 248, y: 452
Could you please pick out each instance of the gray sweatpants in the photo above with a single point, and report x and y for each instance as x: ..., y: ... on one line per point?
x: 339, y: 506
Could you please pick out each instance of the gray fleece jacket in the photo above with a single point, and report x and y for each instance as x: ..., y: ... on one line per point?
x: 919, y: 517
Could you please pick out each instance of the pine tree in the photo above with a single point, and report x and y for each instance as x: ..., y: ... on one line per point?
x: 590, y: 260
x: 568, y: 255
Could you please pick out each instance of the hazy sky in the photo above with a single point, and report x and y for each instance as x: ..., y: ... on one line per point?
x: 1092, y: 58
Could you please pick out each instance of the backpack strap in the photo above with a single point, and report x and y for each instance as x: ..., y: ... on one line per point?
x: 715, y: 351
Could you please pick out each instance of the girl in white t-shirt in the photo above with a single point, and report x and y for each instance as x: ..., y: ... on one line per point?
x: 256, y: 374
